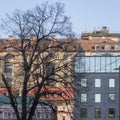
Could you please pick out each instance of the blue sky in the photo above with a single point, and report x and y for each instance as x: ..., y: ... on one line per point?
x: 86, y: 15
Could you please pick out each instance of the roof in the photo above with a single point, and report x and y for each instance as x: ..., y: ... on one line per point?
x: 57, y: 93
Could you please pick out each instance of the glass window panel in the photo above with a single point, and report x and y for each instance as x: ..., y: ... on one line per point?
x: 111, y: 82
x: 84, y: 82
x: 103, y: 65
x: 97, y: 82
x: 87, y: 64
x: 83, y: 112
x: 111, y: 113
x: 97, y: 65
x: 97, y: 97
x: 92, y: 64
x: 97, y: 113
x: 113, y: 64
x: 108, y: 64
x: 83, y: 97
x: 118, y: 63
x: 111, y: 97
x: 5, y: 115
x: 77, y: 67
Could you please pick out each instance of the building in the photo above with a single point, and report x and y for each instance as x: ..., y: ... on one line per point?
x: 42, y: 112
x: 9, y: 66
x: 95, y: 61
x: 101, y: 33
x: 97, y: 82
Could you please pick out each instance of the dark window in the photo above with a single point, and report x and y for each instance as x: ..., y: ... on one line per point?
x: 83, y: 112
x: 8, y: 69
x: 111, y: 113
x: 97, y: 112
x: 63, y: 117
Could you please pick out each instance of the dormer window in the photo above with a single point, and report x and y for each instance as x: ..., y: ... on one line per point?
x: 97, y: 48
x: 65, y: 47
x: 117, y: 48
x: 107, y: 47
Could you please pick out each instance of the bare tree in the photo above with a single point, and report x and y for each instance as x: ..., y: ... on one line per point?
x: 38, y: 59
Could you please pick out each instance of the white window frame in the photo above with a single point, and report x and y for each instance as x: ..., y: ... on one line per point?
x: 13, y: 116
x: 111, y: 97
x: 97, y: 98
x: 83, y: 82
x: 83, y: 97
x: 5, y: 116
x: 97, y: 82
x: 112, y: 82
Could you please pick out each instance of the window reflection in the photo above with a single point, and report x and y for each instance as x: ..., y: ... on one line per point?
x: 97, y: 64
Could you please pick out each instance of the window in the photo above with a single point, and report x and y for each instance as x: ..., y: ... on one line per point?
x: 83, y: 97
x: 97, y: 82
x: 13, y: 116
x: 63, y: 117
x: 111, y: 97
x: 107, y: 47
x: 9, y: 48
x: 116, y: 47
x: 97, y: 48
x: 97, y: 97
x: 97, y: 112
x: 84, y: 82
x: 83, y: 113
x: 111, y: 113
x: 8, y: 69
x: 38, y: 115
x: 63, y: 106
x: 5, y: 115
x: 111, y: 82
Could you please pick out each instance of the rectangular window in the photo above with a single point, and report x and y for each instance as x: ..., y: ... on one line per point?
x: 111, y: 97
x: 83, y: 97
x: 111, y: 113
x: 13, y: 116
x: 84, y: 82
x: 38, y: 115
x: 97, y: 97
x: 5, y: 115
x: 63, y: 117
x: 83, y: 113
x: 97, y: 82
x: 111, y: 82
x: 97, y: 112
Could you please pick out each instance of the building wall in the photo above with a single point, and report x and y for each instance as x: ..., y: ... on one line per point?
x: 104, y: 90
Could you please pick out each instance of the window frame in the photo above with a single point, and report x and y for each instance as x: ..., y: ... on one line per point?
x: 97, y: 113
x: 98, y: 98
x: 83, y: 97
x: 97, y: 83
x: 83, y: 113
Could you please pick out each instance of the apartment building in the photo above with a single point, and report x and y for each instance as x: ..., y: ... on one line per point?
x: 11, y: 59
x: 97, y: 82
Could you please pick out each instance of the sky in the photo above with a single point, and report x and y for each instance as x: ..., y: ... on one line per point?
x: 86, y: 15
